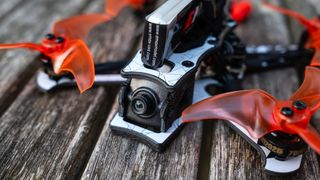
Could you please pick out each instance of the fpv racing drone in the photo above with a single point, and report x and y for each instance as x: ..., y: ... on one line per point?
x: 189, y: 56
x: 188, y: 51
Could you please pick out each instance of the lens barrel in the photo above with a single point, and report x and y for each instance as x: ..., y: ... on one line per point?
x: 144, y: 102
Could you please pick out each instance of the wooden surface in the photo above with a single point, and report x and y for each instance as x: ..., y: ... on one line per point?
x: 65, y: 135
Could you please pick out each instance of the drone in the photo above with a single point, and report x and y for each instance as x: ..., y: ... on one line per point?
x: 189, y: 69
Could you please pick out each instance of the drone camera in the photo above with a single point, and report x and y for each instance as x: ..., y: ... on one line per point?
x: 152, y: 105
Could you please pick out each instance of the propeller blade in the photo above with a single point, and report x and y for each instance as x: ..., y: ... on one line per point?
x: 309, y: 135
x: 77, y: 60
x: 309, y: 91
x: 31, y: 46
x: 315, y: 61
x: 78, y: 27
x: 313, y: 27
x: 302, y: 19
x: 113, y: 7
x: 252, y: 109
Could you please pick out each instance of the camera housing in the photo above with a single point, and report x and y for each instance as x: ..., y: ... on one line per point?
x: 161, y: 77
x: 152, y: 100
x: 152, y: 104
x: 155, y: 98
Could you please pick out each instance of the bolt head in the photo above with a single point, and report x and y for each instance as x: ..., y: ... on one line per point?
x: 299, y: 105
x: 187, y: 63
x: 59, y: 40
x: 50, y: 36
x: 287, y: 111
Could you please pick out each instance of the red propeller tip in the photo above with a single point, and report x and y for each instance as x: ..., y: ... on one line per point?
x: 240, y: 10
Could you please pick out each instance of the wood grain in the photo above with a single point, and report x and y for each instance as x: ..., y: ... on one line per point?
x: 52, y: 135
x: 116, y: 157
x: 231, y: 156
x: 64, y: 135
x: 26, y: 21
x: 308, y: 8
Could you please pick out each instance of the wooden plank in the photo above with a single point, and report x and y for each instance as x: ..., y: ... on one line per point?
x: 295, y: 28
x: 28, y: 21
x: 315, y: 4
x: 116, y: 157
x: 7, y: 7
x: 231, y: 156
x: 309, y: 8
x: 52, y: 135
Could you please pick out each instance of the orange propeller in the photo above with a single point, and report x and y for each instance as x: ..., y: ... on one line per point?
x: 78, y: 27
x: 66, y: 52
x: 68, y: 26
x: 260, y: 113
x: 66, y: 48
x: 313, y: 27
x: 113, y: 7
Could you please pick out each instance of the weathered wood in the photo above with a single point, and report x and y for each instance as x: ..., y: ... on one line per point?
x: 315, y: 4
x: 27, y: 21
x: 231, y: 156
x: 67, y: 135
x: 52, y: 135
x: 7, y: 7
x: 308, y: 8
x: 116, y: 157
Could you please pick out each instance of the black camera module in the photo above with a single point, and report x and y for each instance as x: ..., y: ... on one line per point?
x: 161, y: 77
x: 144, y: 102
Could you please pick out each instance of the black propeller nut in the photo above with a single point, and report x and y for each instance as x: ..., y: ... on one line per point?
x: 287, y: 111
x: 59, y: 40
x: 300, y: 105
x: 50, y: 36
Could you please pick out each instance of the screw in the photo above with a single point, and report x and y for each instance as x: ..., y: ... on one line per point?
x: 187, y: 63
x: 211, y: 41
x: 59, y: 40
x: 300, y: 105
x: 50, y: 36
x: 287, y: 111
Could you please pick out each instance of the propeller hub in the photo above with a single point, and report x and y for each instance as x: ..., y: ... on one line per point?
x: 287, y: 111
x: 53, y: 44
x: 60, y: 40
x: 50, y: 36
x: 299, y: 105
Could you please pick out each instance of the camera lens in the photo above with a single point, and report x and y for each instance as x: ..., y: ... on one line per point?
x: 144, y: 102
x: 139, y: 106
